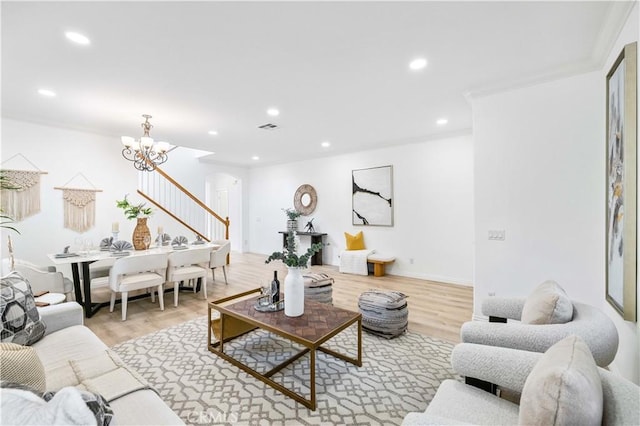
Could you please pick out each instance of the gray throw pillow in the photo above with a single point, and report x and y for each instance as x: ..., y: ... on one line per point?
x: 563, y: 388
x: 21, y: 321
x: 547, y: 304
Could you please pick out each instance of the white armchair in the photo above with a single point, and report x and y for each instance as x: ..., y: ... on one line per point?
x: 561, y: 383
x: 219, y: 258
x: 41, y: 278
x: 591, y: 324
x: 545, y: 317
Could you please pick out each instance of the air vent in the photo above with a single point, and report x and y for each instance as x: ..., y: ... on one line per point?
x: 268, y: 126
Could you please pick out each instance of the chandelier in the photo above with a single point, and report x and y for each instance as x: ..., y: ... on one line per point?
x: 145, y: 154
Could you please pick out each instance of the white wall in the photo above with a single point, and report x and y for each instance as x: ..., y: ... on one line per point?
x: 628, y: 358
x: 433, y: 206
x: 539, y: 171
x: 539, y: 175
x: 63, y: 153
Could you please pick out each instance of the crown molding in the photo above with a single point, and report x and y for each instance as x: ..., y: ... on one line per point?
x: 617, y: 15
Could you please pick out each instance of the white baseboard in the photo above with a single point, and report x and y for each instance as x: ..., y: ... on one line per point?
x: 428, y: 277
x: 438, y: 278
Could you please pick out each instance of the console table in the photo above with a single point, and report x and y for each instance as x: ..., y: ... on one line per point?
x: 316, y: 237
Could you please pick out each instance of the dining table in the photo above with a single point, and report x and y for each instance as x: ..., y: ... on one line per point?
x: 80, y: 262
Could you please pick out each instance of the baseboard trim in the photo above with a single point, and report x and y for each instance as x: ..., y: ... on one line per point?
x: 438, y: 278
x: 392, y: 270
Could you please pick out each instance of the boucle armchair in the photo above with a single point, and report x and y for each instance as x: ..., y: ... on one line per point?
x: 588, y: 322
x: 545, y: 317
x: 562, y: 385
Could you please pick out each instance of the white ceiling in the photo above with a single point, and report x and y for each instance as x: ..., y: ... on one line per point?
x: 337, y: 71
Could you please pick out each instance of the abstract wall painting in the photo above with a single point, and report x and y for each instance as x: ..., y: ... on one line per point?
x: 372, y: 196
x: 621, y: 172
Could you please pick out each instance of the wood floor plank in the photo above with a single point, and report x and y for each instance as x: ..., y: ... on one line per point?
x: 435, y: 309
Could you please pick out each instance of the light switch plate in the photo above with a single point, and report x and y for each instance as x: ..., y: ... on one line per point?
x: 497, y: 234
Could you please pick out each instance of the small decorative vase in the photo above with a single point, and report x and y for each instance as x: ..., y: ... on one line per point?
x: 294, y: 292
x: 141, y: 230
x: 292, y: 225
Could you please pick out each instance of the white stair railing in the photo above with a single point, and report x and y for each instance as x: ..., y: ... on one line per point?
x: 172, y: 198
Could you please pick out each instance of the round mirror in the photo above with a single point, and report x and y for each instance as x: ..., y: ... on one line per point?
x: 305, y: 199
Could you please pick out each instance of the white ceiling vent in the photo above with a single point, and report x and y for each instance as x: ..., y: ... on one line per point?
x: 268, y: 126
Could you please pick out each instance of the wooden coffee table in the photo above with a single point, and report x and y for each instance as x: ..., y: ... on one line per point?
x: 319, y: 323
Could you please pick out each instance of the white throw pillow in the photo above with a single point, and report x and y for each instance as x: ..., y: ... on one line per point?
x: 563, y: 388
x: 547, y: 304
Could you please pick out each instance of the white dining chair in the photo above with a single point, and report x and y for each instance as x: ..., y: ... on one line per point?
x: 188, y: 265
x: 219, y: 258
x: 135, y: 273
x: 41, y: 278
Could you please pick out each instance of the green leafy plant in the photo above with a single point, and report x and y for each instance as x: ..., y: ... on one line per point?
x: 290, y: 254
x: 132, y: 211
x: 5, y: 220
x: 292, y: 214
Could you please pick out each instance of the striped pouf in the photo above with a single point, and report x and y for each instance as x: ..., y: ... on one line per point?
x: 318, y: 287
x: 384, y: 312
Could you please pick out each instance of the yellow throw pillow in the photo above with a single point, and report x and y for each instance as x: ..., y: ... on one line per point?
x: 354, y: 242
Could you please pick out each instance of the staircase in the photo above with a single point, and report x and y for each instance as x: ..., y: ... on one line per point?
x: 165, y: 193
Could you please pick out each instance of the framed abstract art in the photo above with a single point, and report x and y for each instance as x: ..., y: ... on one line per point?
x: 372, y: 196
x: 621, y: 175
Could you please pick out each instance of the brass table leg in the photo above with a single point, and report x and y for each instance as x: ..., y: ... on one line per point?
x: 312, y: 374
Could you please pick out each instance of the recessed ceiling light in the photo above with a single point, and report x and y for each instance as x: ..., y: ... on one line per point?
x: 326, y: 144
x: 255, y: 158
x: 47, y: 92
x: 418, y: 64
x: 273, y: 112
x: 442, y: 121
x: 213, y: 132
x: 77, y: 38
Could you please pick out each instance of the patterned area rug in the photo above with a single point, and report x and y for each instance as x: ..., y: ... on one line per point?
x: 397, y: 376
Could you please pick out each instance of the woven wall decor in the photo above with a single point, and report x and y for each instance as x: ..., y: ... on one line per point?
x: 305, y: 199
x: 79, y: 206
x: 24, y: 201
x: 21, y: 199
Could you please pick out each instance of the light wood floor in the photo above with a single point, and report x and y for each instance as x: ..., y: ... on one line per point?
x: 435, y: 309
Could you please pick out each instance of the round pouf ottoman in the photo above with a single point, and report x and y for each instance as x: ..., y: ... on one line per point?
x: 384, y: 312
x: 318, y: 287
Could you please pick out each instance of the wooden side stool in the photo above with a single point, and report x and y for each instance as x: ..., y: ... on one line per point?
x: 379, y: 261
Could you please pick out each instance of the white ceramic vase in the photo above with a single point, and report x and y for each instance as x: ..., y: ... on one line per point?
x: 294, y: 292
x: 292, y: 225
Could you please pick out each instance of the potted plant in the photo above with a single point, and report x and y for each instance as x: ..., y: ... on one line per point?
x: 141, y: 234
x: 292, y: 222
x: 294, y: 282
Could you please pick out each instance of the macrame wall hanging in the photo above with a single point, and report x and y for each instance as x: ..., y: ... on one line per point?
x: 21, y: 199
x: 79, y: 206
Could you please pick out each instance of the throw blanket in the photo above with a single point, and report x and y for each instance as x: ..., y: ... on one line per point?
x: 68, y: 406
x: 354, y: 261
x: 107, y: 375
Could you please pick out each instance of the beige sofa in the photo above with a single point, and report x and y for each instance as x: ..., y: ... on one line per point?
x: 67, y: 339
